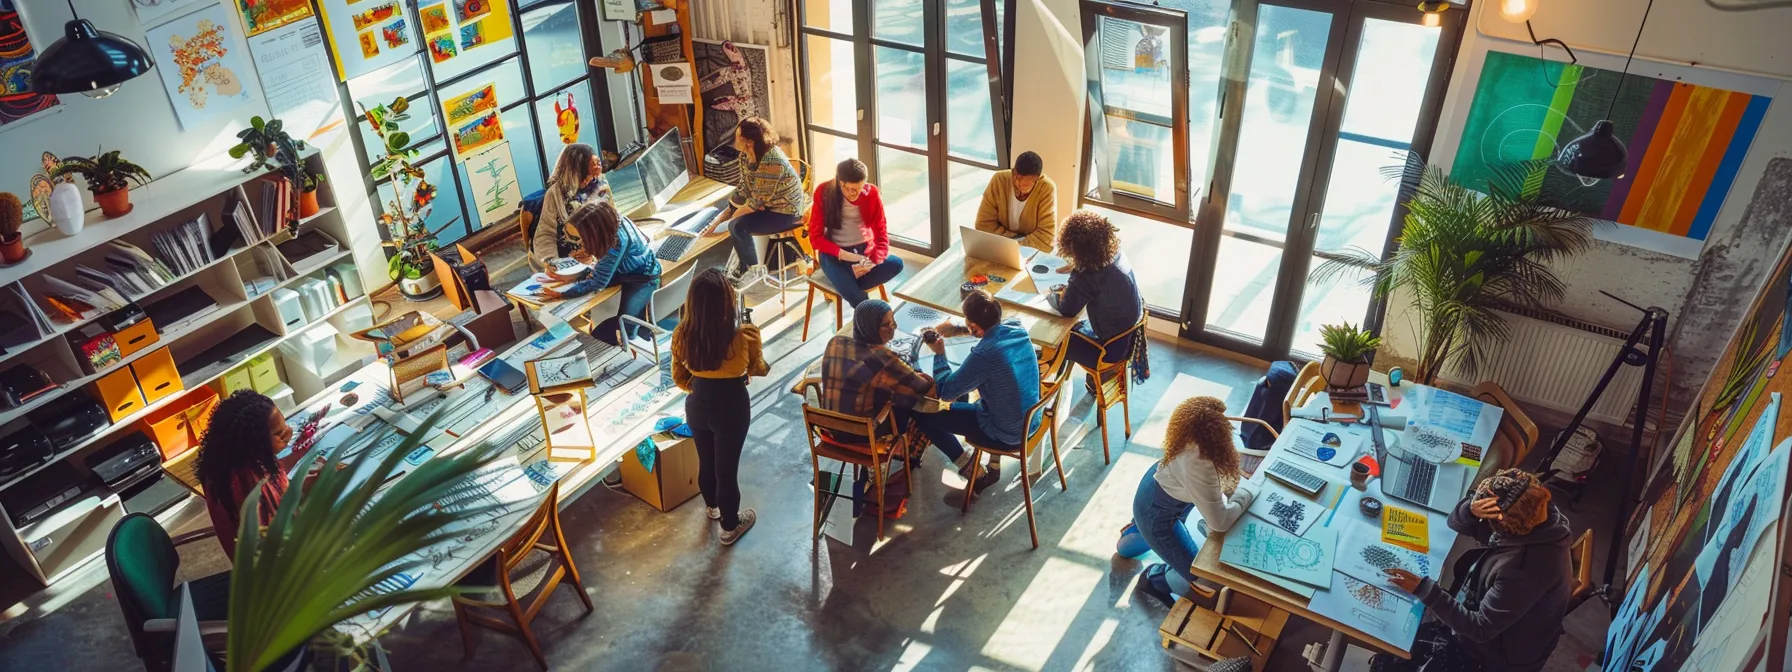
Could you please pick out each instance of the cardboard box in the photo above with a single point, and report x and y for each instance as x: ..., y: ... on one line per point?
x: 673, y: 478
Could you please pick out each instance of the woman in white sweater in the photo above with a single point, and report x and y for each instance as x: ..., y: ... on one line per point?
x: 1198, y: 470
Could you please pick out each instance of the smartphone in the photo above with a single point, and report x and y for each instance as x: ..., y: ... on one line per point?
x: 505, y: 376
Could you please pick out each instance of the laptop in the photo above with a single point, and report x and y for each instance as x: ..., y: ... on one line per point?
x: 1412, y: 478
x: 993, y: 248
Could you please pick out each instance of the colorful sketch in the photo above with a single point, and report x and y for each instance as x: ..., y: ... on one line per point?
x: 199, y: 65
x: 1685, y: 142
x: 395, y: 35
x: 434, y: 18
x: 1263, y: 546
x: 260, y: 16
x: 374, y: 16
x: 493, y: 180
x: 441, y: 47
x: 370, y: 44
x: 472, y: 35
x: 472, y: 9
x: 477, y: 133
x: 1694, y: 501
x: 567, y: 120
x: 470, y: 104
x: 16, y: 60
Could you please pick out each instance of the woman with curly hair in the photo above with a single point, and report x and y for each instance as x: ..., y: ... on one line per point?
x: 1101, y: 282
x: 237, y: 456
x: 1199, y: 468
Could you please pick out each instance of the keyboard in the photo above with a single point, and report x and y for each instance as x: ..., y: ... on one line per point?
x: 1296, y: 477
x: 696, y: 223
x: 673, y: 248
x: 1419, y: 477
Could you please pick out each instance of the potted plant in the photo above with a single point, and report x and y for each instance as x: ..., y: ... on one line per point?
x: 412, y: 199
x: 1347, y: 349
x: 109, y: 176
x: 332, y: 544
x: 1464, y: 255
x: 12, y: 215
x: 275, y: 149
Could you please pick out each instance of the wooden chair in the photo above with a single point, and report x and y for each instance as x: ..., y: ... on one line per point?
x: 1112, y: 383
x: 1306, y: 383
x: 884, y: 444
x: 1249, y: 458
x: 1515, y: 437
x: 1033, y: 439
x: 1580, y: 554
x: 497, y: 570
x: 818, y: 283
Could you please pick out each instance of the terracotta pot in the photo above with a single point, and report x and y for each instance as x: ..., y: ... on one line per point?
x: 1341, y: 374
x: 308, y: 204
x: 114, y: 203
x: 12, y: 251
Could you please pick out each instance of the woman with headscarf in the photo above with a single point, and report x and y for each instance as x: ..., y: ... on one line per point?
x: 860, y: 373
x: 1508, y: 615
x: 1199, y: 473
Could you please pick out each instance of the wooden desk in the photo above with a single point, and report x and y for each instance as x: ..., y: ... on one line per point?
x: 937, y: 287
x: 1341, y: 503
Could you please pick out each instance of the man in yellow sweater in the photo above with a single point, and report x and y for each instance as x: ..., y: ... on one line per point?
x: 1021, y: 204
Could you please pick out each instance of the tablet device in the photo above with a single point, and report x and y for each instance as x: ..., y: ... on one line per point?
x: 505, y: 376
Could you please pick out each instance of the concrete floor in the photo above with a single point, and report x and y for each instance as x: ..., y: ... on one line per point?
x: 944, y: 592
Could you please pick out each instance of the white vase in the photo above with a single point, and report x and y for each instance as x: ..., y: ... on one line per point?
x: 66, y: 210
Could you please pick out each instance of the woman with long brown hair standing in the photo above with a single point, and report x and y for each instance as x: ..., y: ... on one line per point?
x: 770, y: 196
x: 714, y: 350
x: 1199, y: 468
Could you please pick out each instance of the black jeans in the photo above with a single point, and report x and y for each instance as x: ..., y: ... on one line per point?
x: 1434, y: 649
x: 757, y: 223
x: 719, y: 412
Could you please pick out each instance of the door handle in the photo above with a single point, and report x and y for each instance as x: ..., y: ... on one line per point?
x: 936, y: 128
x: 861, y: 114
x: 1313, y: 222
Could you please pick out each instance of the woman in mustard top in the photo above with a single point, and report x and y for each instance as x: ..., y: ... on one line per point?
x: 714, y: 350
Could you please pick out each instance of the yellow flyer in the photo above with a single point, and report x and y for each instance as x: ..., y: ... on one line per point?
x: 1407, y: 529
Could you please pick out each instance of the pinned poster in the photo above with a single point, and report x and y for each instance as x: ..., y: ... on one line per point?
x: 201, y: 66
x: 619, y: 10
x: 493, y: 178
x: 295, y: 75
x: 366, y: 35
x: 473, y: 120
x: 260, y: 16
x: 672, y: 83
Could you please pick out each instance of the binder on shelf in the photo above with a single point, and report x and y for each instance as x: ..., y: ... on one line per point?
x: 308, y: 250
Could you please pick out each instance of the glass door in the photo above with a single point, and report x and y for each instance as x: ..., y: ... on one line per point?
x: 1331, y: 92
x: 1135, y: 62
x: 908, y: 87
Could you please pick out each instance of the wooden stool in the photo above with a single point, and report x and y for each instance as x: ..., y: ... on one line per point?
x: 1241, y: 626
x: 818, y: 282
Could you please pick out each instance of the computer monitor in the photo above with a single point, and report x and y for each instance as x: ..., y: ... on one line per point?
x: 663, y: 172
x: 627, y: 191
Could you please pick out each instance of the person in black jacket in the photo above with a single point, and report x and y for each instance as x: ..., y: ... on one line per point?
x: 1508, y: 615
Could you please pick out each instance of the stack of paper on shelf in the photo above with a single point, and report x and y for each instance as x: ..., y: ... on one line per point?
x: 79, y: 300
x: 238, y: 216
x: 185, y: 248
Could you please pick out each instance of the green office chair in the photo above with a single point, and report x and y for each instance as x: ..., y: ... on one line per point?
x: 141, y: 559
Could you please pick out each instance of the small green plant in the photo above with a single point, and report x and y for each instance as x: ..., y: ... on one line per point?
x: 105, y: 173
x: 1346, y: 342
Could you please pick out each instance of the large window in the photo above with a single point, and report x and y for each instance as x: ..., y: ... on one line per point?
x: 548, y: 98
x: 910, y: 87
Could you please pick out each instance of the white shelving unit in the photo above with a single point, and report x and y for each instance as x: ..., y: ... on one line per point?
x: 70, y: 536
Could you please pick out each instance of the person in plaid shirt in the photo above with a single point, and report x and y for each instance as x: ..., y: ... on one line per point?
x: 859, y: 374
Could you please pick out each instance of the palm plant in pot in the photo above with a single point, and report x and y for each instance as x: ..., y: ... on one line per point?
x: 336, y: 543
x: 411, y: 199
x: 12, y: 216
x: 1465, y: 256
x: 1347, y: 349
x: 109, y: 176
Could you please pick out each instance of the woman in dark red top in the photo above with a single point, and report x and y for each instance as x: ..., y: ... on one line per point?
x: 850, y: 235
x: 237, y: 453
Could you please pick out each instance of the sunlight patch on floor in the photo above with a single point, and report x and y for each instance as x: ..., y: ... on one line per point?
x: 912, y: 655
x: 959, y: 573
x: 1103, y: 634
x: 1151, y: 433
x: 1098, y: 525
x: 1035, y: 626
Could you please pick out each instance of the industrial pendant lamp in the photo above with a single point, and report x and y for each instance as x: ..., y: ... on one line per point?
x: 1599, y: 154
x: 88, y: 61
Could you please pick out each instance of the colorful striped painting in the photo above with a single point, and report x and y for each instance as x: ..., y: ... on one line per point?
x: 1685, y: 142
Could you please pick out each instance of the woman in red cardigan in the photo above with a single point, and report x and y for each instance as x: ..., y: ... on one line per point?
x: 850, y: 235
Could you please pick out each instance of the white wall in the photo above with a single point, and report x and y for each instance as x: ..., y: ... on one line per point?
x: 1049, y: 90
x: 1639, y: 276
x: 139, y: 121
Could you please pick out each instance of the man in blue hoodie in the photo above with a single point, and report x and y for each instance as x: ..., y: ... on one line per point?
x: 1004, y: 372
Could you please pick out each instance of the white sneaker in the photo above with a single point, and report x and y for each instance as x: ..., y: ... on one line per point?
x: 746, y: 523
x: 715, y: 513
x: 754, y: 274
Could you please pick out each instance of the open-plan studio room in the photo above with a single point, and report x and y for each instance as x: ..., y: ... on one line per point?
x: 1208, y: 335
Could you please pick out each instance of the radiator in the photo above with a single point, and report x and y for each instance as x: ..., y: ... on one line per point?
x: 1555, y: 362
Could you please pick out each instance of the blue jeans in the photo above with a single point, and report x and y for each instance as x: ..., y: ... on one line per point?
x: 852, y: 290
x: 1083, y: 353
x: 943, y: 429
x: 757, y: 223
x: 637, y: 294
x: 1160, y: 519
